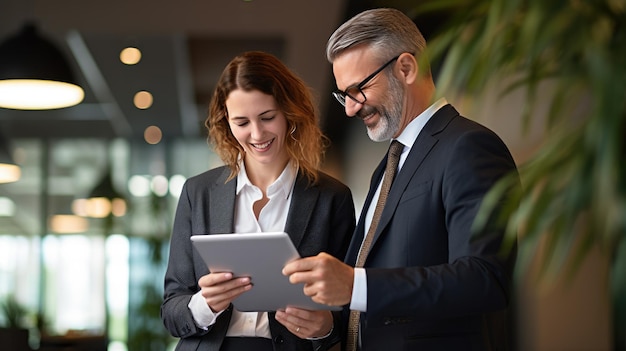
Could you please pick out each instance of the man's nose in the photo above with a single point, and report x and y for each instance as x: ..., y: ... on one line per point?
x: 352, y: 107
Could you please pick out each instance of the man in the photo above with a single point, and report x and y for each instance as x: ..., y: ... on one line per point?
x: 428, y: 282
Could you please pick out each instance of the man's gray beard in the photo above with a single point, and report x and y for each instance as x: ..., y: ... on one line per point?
x: 389, y: 118
x: 382, y: 130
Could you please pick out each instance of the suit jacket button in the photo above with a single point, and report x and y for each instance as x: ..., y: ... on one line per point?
x: 279, y: 339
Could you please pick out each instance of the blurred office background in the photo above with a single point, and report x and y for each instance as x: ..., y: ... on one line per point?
x: 81, y: 280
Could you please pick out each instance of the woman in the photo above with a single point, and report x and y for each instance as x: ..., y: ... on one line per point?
x: 263, y: 124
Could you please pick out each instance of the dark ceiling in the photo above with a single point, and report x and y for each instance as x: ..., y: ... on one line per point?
x: 185, y: 45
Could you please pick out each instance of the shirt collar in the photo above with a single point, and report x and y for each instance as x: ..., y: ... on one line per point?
x: 283, y: 184
x: 412, y: 130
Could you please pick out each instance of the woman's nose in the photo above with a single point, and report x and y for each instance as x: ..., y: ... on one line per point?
x: 257, y: 130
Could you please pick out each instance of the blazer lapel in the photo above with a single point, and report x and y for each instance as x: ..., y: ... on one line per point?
x: 304, y: 198
x: 425, y: 141
x: 222, y: 204
x: 359, y: 232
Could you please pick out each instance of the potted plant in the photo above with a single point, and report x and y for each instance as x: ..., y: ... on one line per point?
x: 574, y: 196
x: 14, y: 332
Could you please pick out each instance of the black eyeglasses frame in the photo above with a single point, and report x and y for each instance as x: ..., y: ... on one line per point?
x: 340, y: 95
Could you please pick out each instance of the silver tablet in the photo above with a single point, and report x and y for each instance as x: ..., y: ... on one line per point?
x: 262, y: 257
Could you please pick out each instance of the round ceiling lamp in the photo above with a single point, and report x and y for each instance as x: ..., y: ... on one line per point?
x: 9, y: 170
x: 34, y: 74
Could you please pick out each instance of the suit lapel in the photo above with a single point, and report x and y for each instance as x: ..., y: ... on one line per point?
x: 222, y: 204
x: 301, y: 208
x: 359, y: 232
x: 424, y: 143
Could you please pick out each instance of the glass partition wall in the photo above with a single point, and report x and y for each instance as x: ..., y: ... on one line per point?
x: 76, y: 277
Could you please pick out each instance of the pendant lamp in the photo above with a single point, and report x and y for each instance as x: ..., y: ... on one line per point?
x: 102, y: 202
x: 34, y: 74
x: 9, y: 171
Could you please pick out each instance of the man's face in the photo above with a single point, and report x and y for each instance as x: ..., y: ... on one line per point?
x: 383, y: 94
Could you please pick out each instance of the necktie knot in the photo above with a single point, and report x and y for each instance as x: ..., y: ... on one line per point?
x: 393, y: 157
x: 396, y: 148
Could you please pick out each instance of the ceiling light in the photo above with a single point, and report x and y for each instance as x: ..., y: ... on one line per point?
x: 139, y: 185
x: 9, y: 171
x: 34, y: 74
x: 68, y: 224
x: 103, y: 201
x: 130, y: 56
x: 143, y: 100
x: 7, y: 207
x: 159, y: 185
x: 152, y: 135
x: 64, y: 221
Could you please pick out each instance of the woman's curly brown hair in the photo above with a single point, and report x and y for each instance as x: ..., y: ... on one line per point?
x: 256, y: 70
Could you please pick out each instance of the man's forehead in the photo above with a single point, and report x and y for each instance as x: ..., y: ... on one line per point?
x: 352, y: 66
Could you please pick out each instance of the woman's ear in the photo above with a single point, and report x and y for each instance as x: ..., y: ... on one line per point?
x: 408, y: 67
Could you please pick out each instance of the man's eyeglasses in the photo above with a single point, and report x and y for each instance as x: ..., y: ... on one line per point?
x: 354, y: 92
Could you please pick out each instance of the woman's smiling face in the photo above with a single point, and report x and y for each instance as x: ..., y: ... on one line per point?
x: 259, y: 127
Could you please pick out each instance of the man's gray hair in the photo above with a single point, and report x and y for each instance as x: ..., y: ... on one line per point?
x: 388, y: 31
